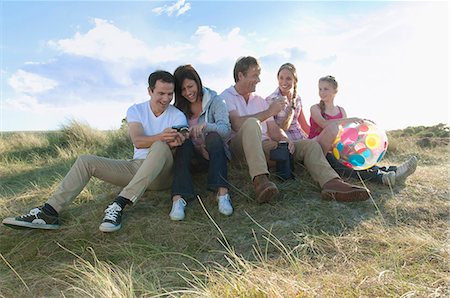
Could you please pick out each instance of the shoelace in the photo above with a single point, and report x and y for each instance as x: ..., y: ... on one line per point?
x: 224, y: 198
x: 112, y: 211
x: 181, y: 202
x: 33, y: 212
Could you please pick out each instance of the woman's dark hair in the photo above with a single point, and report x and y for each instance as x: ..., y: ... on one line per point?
x: 181, y: 73
x: 162, y: 75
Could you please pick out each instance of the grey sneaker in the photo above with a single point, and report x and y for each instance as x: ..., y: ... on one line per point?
x: 35, y: 219
x: 406, y: 168
x: 113, y: 219
x: 388, y: 178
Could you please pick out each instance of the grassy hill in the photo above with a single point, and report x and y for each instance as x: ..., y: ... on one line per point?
x: 394, y: 245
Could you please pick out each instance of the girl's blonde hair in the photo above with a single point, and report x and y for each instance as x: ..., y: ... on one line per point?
x: 293, y: 71
x: 334, y: 83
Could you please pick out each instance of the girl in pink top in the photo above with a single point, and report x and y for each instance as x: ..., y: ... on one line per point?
x: 325, y: 116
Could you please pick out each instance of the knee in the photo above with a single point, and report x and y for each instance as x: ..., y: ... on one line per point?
x: 160, y: 146
x: 213, y: 141
x: 187, y: 146
x: 313, y: 146
x: 84, y: 159
x: 331, y: 130
x: 251, y: 123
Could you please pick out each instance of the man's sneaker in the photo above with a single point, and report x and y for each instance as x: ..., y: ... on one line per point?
x: 388, y: 178
x: 338, y: 190
x: 177, y: 212
x: 406, y: 168
x: 224, y: 203
x: 35, y: 219
x: 113, y: 218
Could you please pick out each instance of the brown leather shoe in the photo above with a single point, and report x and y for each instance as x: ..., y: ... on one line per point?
x: 265, y: 189
x: 338, y: 190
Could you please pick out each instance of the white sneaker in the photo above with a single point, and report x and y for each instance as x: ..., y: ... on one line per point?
x: 177, y: 212
x: 406, y: 168
x: 224, y: 203
x: 388, y: 178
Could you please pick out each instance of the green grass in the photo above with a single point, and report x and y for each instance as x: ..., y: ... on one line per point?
x: 394, y: 245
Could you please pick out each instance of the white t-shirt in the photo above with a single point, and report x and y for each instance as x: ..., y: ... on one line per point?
x: 255, y: 104
x: 153, y: 125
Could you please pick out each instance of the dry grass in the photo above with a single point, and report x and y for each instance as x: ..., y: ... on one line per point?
x: 395, y: 245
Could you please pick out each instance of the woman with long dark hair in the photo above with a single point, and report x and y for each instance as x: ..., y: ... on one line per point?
x: 209, y: 128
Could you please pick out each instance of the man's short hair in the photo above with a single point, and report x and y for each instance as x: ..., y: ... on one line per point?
x: 162, y: 75
x: 243, y: 64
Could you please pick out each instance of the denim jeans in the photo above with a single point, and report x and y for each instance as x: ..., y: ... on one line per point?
x: 188, y: 160
x: 374, y: 173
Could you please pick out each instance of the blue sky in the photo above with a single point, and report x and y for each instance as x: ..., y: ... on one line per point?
x: 88, y: 61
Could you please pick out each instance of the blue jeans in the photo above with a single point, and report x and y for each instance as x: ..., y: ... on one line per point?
x: 188, y: 160
x: 373, y: 173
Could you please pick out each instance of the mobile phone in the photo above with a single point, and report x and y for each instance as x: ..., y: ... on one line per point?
x: 181, y: 128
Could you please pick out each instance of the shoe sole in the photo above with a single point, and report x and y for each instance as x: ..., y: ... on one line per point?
x: 355, y: 195
x: 408, y: 173
x: 15, y: 224
x: 226, y: 213
x: 267, y: 195
x: 109, y: 229
x: 176, y: 218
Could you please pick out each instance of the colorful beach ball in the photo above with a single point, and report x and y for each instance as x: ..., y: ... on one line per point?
x: 360, y: 144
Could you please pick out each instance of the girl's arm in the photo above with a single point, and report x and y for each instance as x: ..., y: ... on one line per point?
x: 303, y: 123
x: 288, y: 121
x: 322, y: 122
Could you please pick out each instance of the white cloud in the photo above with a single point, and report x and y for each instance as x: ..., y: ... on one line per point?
x: 30, y: 83
x: 105, y: 42
x: 213, y: 47
x: 179, y: 7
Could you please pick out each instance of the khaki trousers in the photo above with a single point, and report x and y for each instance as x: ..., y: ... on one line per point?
x: 246, y: 146
x: 136, y: 176
x: 310, y: 153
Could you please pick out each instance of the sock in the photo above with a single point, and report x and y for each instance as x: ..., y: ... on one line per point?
x: 122, y: 202
x: 49, y: 210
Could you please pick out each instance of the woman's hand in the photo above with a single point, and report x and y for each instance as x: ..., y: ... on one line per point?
x: 197, y: 130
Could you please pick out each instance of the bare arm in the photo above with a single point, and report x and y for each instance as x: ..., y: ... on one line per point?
x: 140, y: 140
x: 277, y: 134
x: 303, y: 123
x: 288, y: 121
x: 237, y: 120
x: 322, y: 122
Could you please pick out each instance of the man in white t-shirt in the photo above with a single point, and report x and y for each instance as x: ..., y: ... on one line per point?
x: 256, y: 134
x: 150, y: 127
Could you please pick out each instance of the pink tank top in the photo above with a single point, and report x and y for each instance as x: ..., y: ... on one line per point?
x: 315, y: 129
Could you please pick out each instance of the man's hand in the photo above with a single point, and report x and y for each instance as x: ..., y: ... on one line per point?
x: 168, y: 135
x: 178, y: 140
x: 276, y: 107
